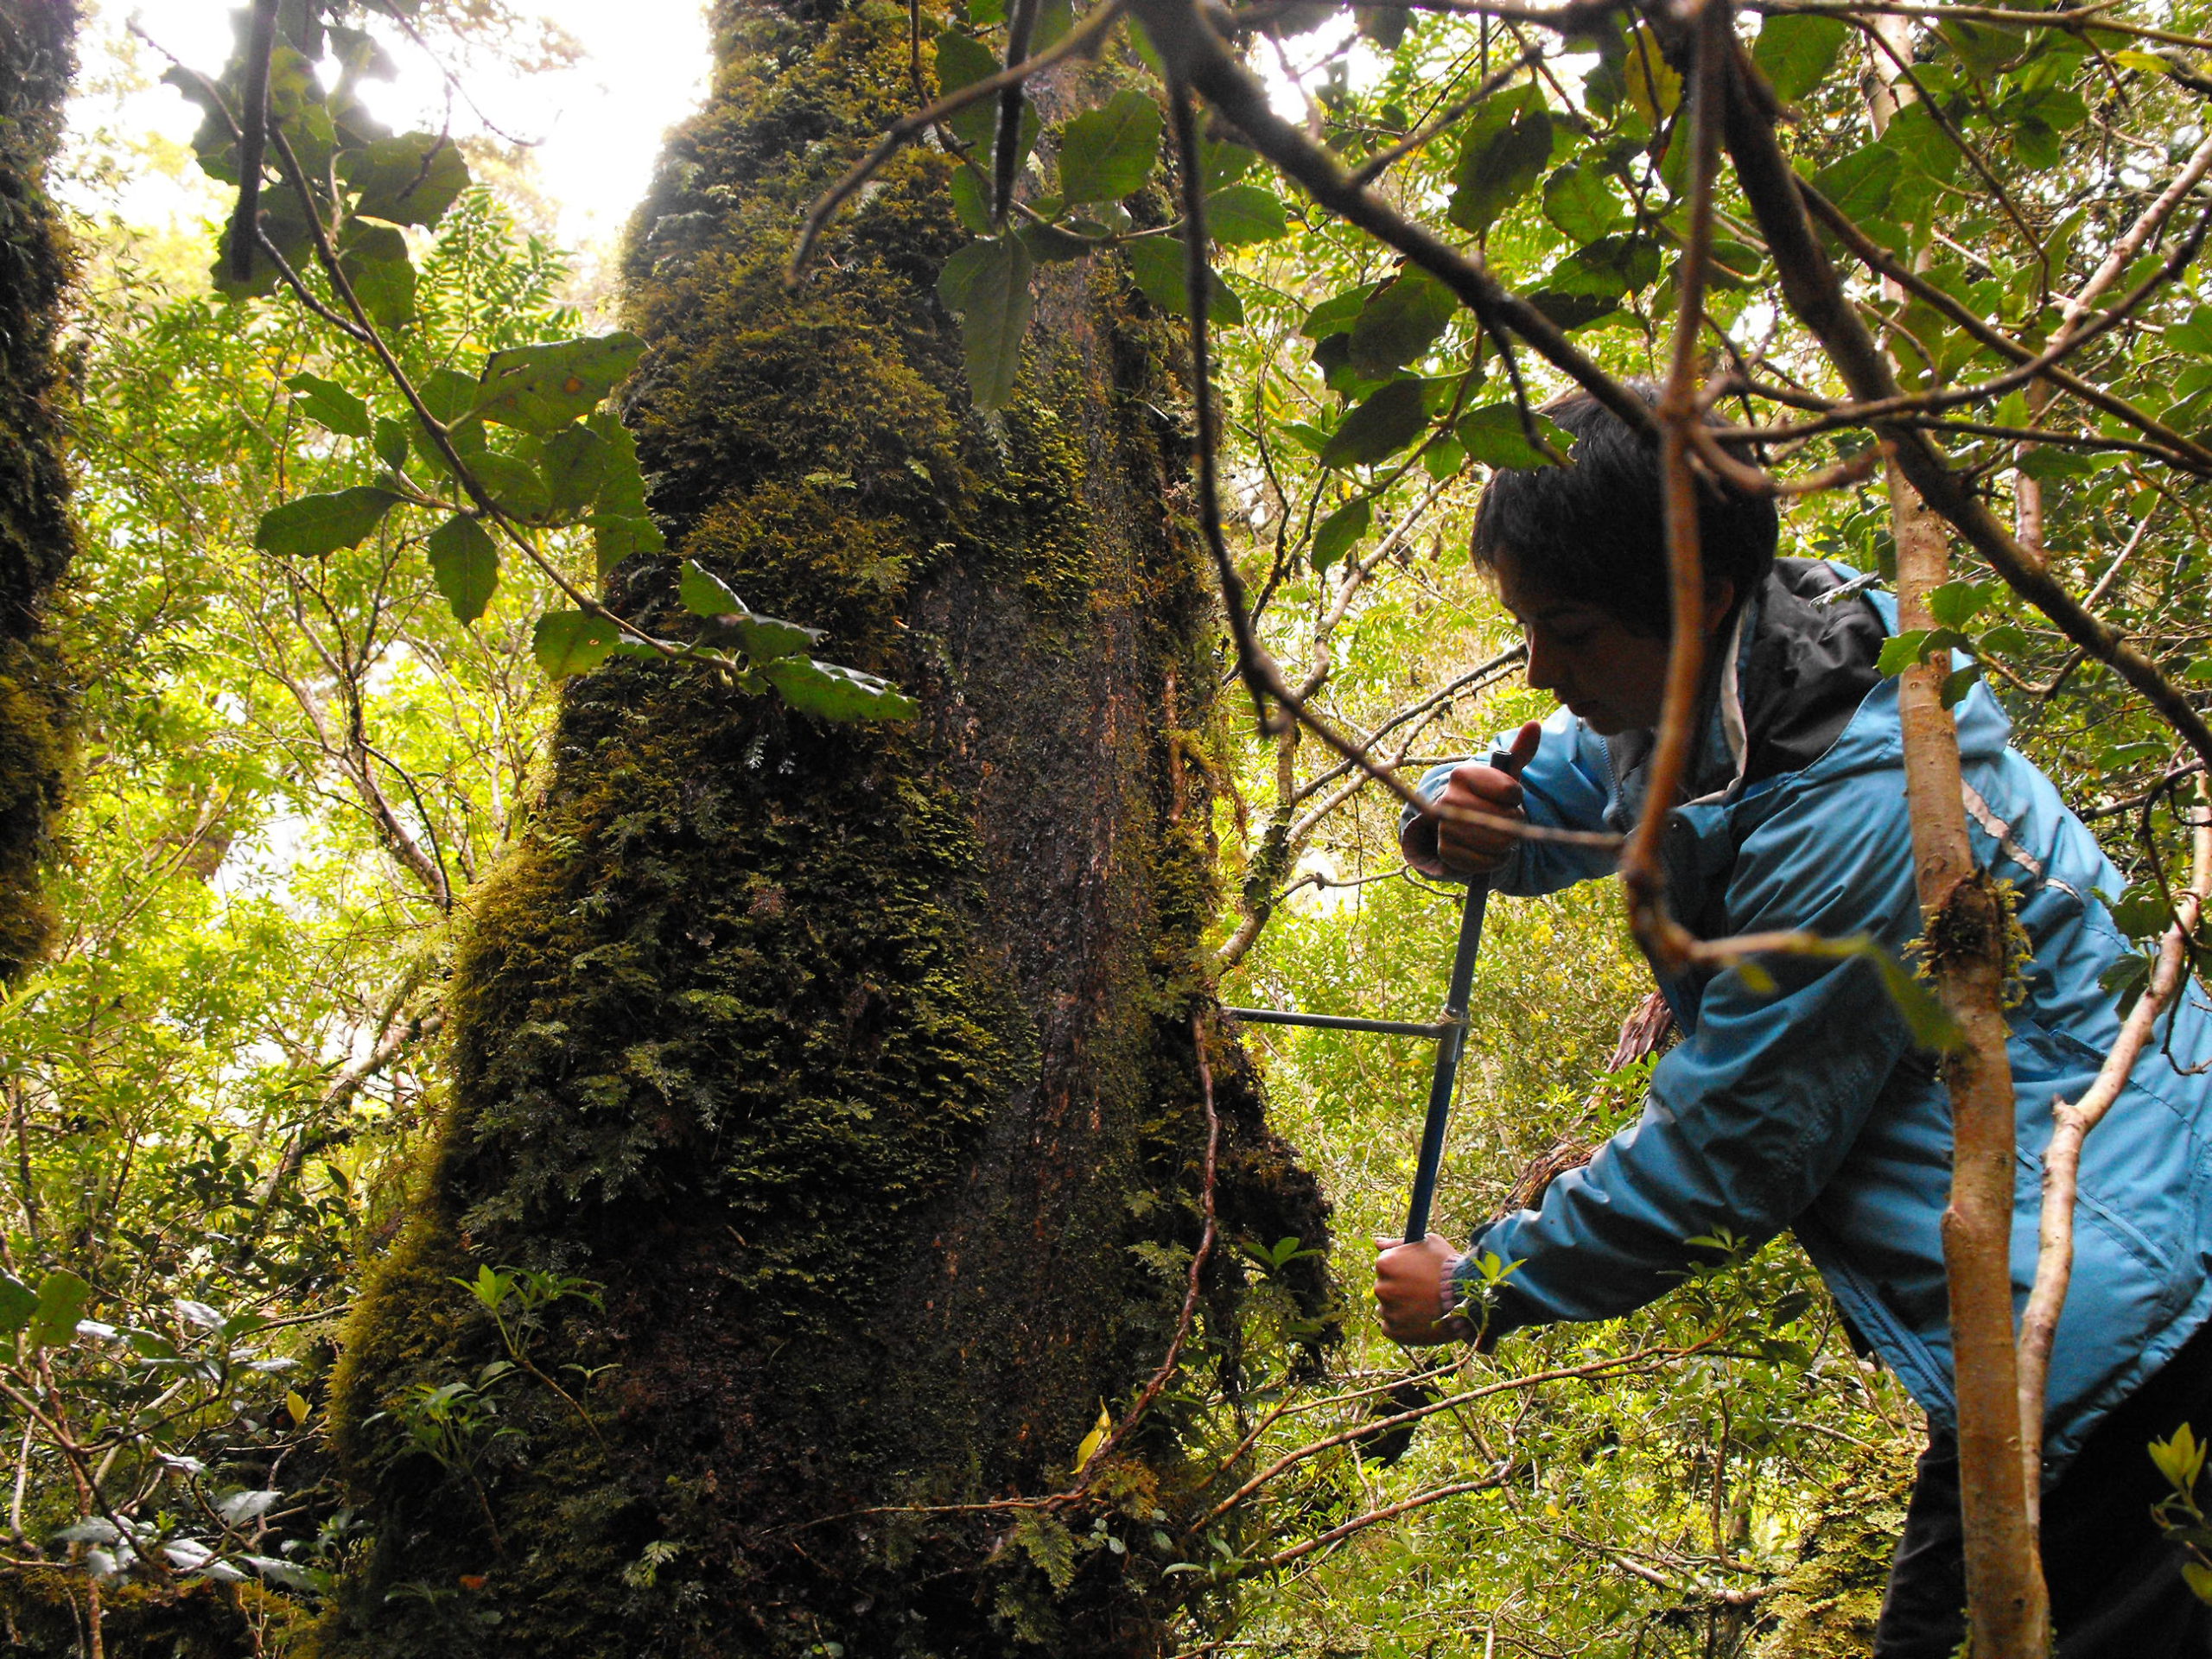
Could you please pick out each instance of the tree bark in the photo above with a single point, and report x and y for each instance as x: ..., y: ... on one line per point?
x: 36, y: 538
x: 854, y: 1065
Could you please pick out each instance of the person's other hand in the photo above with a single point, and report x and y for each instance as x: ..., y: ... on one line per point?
x: 1479, y: 803
x: 1413, y: 1284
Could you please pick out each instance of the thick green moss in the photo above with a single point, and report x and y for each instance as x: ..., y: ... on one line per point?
x: 1826, y: 1606
x: 850, y: 1063
x: 36, y: 539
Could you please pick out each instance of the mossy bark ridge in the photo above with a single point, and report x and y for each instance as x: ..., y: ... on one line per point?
x: 850, y: 1062
x: 35, y: 537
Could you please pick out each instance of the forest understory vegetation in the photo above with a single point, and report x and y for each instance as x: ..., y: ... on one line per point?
x: 346, y: 1310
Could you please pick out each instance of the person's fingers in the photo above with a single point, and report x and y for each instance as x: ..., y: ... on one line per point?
x: 1525, y: 743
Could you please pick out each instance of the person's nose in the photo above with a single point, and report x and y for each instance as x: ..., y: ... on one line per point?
x: 1543, y: 663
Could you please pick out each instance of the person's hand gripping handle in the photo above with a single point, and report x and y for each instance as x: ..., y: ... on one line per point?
x: 1413, y: 1275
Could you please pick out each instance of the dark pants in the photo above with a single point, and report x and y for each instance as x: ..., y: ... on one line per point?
x: 2116, y: 1589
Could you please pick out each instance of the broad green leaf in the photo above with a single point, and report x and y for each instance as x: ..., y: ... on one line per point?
x: 409, y: 180
x: 1928, y: 1020
x: 1495, y: 436
x: 464, y: 564
x: 1399, y: 323
x: 1336, y: 314
x: 1959, y: 681
x: 542, y: 388
x: 1507, y: 146
x: 573, y: 463
x: 1378, y: 429
x: 1243, y: 214
x: 374, y: 261
x: 315, y: 526
x: 328, y: 404
x: 1338, y: 533
x: 1651, y: 85
x: 962, y: 59
x: 1984, y: 48
x: 1954, y: 603
x: 987, y: 283
x: 968, y: 204
x: 1157, y: 264
x: 770, y: 638
x: 1107, y: 154
x: 1796, y: 50
x: 1606, y: 269
x: 392, y: 442
x: 447, y: 393
x: 572, y: 642
x: 61, y: 1298
x: 705, y: 593
x: 1048, y: 244
x: 1572, y: 311
x: 617, y: 537
x: 2194, y: 334
x: 829, y: 691
x: 1054, y: 19
x: 514, y: 484
x: 18, y: 1302
x: 1582, y: 202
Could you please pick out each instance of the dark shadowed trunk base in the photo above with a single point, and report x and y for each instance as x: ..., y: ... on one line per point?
x: 854, y: 1065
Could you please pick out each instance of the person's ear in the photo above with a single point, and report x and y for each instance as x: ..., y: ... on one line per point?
x: 1720, y: 596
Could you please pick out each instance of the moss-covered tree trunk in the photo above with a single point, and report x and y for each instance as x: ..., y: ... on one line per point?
x: 35, y: 534
x: 854, y: 1065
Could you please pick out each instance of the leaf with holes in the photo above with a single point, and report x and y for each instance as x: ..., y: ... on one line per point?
x: 542, y: 388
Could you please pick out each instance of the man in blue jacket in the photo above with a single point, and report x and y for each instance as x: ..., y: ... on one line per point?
x: 1804, y: 1105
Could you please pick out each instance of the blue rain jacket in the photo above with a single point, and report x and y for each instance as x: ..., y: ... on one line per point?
x: 1809, y: 1107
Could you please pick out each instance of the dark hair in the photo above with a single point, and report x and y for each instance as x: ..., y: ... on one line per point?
x: 1591, y: 532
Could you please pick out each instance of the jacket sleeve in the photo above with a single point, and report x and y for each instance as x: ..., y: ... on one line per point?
x: 1753, y: 1114
x: 1564, y: 786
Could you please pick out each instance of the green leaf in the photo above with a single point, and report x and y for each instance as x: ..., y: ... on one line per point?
x: 542, y: 388
x: 968, y: 204
x: 1048, y: 244
x: 1795, y: 52
x: 1606, y: 269
x: 1222, y: 162
x: 1336, y: 314
x: 617, y: 537
x: 1107, y: 154
x: 1338, y: 533
x: 514, y: 484
x: 1901, y: 650
x: 988, y: 283
x: 409, y: 180
x: 770, y: 638
x: 705, y: 593
x: 571, y: 642
x: 1507, y: 145
x: 61, y: 1298
x: 330, y: 404
x: 1954, y: 603
x: 464, y: 564
x: 1399, y: 323
x: 1243, y: 214
x: 1156, y: 264
x: 18, y: 1302
x: 1496, y: 436
x: 1928, y: 1020
x: 962, y: 59
x: 374, y: 261
x: 1378, y: 429
x: 392, y: 442
x: 315, y: 526
x: 1958, y: 682
x: 829, y: 691
x: 447, y: 394
x: 575, y: 462
x: 1984, y: 49
x: 1582, y: 202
